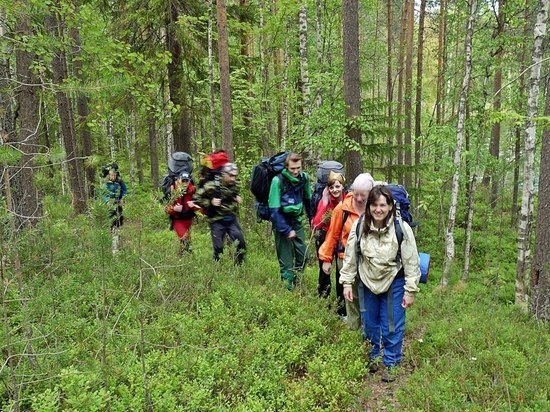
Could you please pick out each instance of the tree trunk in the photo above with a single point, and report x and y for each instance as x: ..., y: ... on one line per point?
x: 540, y: 271
x: 83, y: 112
x: 213, y: 132
x: 246, y: 62
x: 352, y: 84
x: 180, y: 119
x: 131, y: 145
x: 408, y: 92
x: 304, y: 68
x: 153, y: 151
x: 319, y: 46
x: 389, y: 89
x: 418, y: 108
x: 449, y: 236
x: 440, y: 81
x: 526, y: 213
x: 26, y: 199
x: 400, y: 80
x: 225, y: 89
x: 64, y: 108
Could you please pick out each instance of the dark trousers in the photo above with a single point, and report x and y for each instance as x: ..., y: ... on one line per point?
x: 116, y: 216
x: 229, y: 226
x: 324, y: 286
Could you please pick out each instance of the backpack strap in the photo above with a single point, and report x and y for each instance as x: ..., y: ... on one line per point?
x: 358, y: 231
x: 397, y: 222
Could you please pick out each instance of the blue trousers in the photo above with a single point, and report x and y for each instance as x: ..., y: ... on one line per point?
x: 384, y: 320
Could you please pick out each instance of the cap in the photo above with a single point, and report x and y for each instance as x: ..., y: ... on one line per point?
x: 230, y: 169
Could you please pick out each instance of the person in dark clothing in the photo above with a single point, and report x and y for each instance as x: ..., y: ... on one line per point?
x: 220, y: 199
x: 289, y: 198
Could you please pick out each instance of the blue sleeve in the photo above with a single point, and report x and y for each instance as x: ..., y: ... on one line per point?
x: 277, y: 217
x: 123, y: 189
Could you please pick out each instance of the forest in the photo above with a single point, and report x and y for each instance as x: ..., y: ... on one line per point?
x: 449, y: 98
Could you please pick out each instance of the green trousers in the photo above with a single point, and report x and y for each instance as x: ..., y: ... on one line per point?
x: 291, y: 254
x: 352, y: 308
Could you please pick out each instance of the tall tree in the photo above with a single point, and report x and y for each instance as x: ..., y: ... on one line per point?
x: 389, y: 85
x: 409, y: 24
x: 304, y: 66
x: 225, y: 90
x: 352, y: 83
x: 25, y: 195
x: 400, y: 86
x: 65, y: 110
x: 449, y: 235
x: 540, y: 271
x: 180, y: 121
x: 526, y: 212
x: 418, y: 106
x: 440, y: 84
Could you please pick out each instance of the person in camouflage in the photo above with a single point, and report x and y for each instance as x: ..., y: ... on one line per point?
x: 220, y: 199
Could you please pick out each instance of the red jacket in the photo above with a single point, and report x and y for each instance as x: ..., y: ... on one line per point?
x: 186, y: 196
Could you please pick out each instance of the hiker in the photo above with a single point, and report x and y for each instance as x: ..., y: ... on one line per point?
x: 342, y: 218
x: 289, y: 198
x: 181, y: 210
x: 333, y: 194
x: 113, y: 192
x: 388, y: 278
x: 220, y: 199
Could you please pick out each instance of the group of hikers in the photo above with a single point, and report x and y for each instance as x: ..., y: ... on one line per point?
x: 359, y: 231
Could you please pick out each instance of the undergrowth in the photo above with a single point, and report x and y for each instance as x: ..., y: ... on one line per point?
x: 146, y: 329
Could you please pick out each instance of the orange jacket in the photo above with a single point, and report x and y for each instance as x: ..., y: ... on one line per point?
x: 338, y: 230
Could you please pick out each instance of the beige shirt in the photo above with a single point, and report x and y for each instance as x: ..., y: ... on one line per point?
x: 378, y: 266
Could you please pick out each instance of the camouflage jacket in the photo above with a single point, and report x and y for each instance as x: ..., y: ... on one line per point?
x: 216, y: 189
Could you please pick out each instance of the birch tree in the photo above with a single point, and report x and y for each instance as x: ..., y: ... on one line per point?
x: 304, y: 69
x: 449, y: 235
x: 526, y: 211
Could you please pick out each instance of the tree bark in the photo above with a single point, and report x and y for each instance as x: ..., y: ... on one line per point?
x: 180, y: 119
x: 400, y: 81
x: 418, y: 108
x: 153, y: 151
x: 408, y: 93
x: 64, y: 108
x: 304, y: 67
x: 352, y: 83
x: 213, y: 133
x: 540, y: 271
x: 449, y: 236
x: 225, y: 89
x: 526, y: 212
x: 389, y: 88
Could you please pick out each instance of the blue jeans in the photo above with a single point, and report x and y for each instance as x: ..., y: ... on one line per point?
x: 384, y: 320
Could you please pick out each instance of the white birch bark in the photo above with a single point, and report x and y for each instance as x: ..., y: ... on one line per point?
x: 110, y: 136
x: 449, y: 235
x: 211, y: 79
x: 319, y: 44
x: 284, y: 87
x: 304, y: 70
x: 526, y: 211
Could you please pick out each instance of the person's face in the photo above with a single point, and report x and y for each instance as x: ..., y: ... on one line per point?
x: 336, y: 189
x: 294, y: 167
x: 112, y: 175
x: 380, y: 209
x: 360, y: 197
x: 183, y: 183
x: 229, y: 178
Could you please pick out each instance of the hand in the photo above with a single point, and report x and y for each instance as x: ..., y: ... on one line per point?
x: 348, y: 293
x: 120, y: 202
x: 178, y: 208
x: 327, y: 266
x: 292, y: 234
x: 191, y: 204
x: 239, y: 199
x: 216, y: 201
x: 407, y: 301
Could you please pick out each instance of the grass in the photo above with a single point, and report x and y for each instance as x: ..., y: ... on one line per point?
x: 147, y: 328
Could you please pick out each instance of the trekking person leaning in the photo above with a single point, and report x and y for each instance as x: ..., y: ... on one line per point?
x: 289, y: 198
x: 388, y: 278
x: 342, y: 219
x: 181, y: 210
x: 220, y: 199
x: 332, y: 195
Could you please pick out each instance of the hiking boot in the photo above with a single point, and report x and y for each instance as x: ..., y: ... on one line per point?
x: 390, y: 374
x: 374, y: 365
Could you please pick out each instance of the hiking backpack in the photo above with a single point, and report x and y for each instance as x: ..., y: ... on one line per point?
x: 178, y: 163
x: 211, y: 166
x: 260, y: 181
x: 323, y: 170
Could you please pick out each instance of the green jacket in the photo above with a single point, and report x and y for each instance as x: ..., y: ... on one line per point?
x: 217, y: 189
